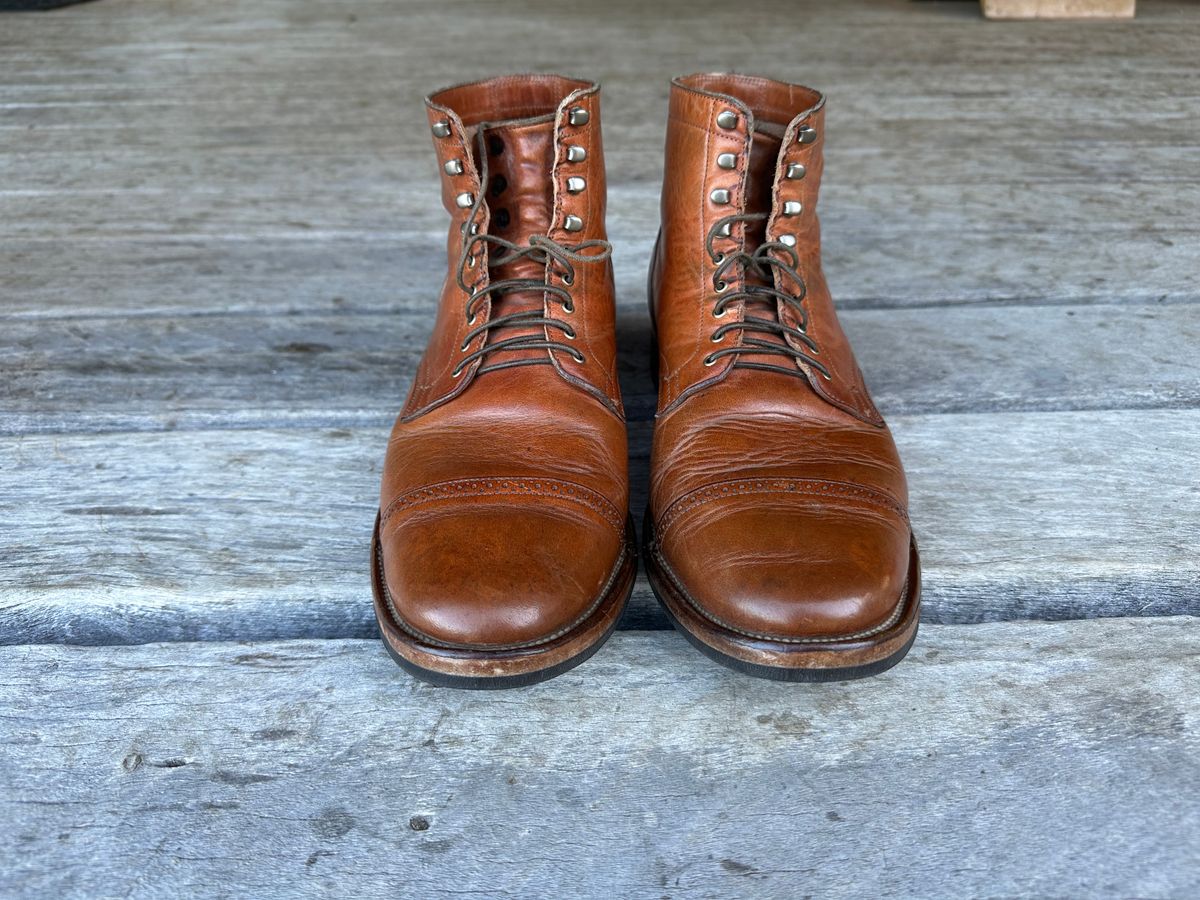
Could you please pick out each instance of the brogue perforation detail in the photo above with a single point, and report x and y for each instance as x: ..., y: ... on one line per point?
x: 501, y: 487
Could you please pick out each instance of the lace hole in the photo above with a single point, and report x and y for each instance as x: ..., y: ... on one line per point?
x: 719, y: 258
x: 568, y: 278
x: 720, y: 286
x: 568, y: 308
x: 579, y: 358
x: 717, y: 337
x: 470, y: 262
x: 709, y: 360
x: 457, y: 372
x: 721, y: 314
x: 569, y: 334
x: 499, y: 185
x: 471, y: 319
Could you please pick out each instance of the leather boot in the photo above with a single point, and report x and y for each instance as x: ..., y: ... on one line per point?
x: 777, y: 535
x: 503, y: 552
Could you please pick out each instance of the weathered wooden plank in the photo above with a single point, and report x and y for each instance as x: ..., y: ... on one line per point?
x: 256, y: 534
x: 1022, y: 760
x: 307, y: 199
x: 390, y: 148
x: 365, y: 273
x: 279, y: 164
x: 109, y: 373
x: 266, y: 245
x: 883, y: 248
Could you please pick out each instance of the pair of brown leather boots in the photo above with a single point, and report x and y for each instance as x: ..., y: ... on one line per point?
x: 777, y: 536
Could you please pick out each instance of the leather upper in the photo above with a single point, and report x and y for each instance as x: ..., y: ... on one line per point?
x: 530, y: 117
x: 505, y: 488
x: 778, y: 499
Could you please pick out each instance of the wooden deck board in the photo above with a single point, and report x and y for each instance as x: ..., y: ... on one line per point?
x: 334, y: 370
x: 254, y: 534
x: 270, y: 156
x: 1016, y: 760
x: 219, y: 244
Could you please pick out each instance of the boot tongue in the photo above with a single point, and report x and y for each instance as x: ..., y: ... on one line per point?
x: 760, y: 178
x: 765, y: 144
x: 520, y: 196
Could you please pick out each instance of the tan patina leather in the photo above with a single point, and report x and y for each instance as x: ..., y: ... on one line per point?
x: 778, y: 506
x: 503, y: 511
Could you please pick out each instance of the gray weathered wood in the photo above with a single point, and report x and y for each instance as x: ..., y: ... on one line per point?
x: 280, y: 166
x: 1015, y: 760
x: 109, y: 373
x: 396, y: 271
x: 116, y: 538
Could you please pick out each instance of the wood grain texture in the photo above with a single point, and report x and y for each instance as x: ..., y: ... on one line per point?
x: 256, y: 534
x: 344, y: 370
x: 270, y: 156
x: 1019, y: 760
x: 219, y: 240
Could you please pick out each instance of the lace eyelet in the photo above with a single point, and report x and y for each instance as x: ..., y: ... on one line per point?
x: 720, y: 315
x: 579, y: 358
x: 710, y: 360
x: 569, y: 334
x: 471, y: 319
x: 470, y: 262
x: 458, y: 372
x: 717, y: 336
x: 568, y: 308
x: 568, y: 278
x: 720, y: 286
x: 719, y: 258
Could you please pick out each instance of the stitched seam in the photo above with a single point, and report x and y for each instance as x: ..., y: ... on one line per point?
x: 706, y: 129
x: 505, y: 487
x: 429, y: 639
x: 762, y: 635
x: 807, y: 487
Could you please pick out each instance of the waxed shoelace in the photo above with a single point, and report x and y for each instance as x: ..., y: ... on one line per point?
x: 763, y: 261
x: 560, y: 257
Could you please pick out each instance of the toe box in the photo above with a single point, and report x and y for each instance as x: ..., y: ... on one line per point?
x: 788, y: 568
x: 496, y: 573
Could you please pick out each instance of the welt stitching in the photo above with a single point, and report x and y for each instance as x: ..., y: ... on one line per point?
x: 499, y: 487
x: 809, y: 487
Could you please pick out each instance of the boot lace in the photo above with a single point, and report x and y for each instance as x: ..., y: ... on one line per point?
x: 557, y: 257
x: 768, y: 257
